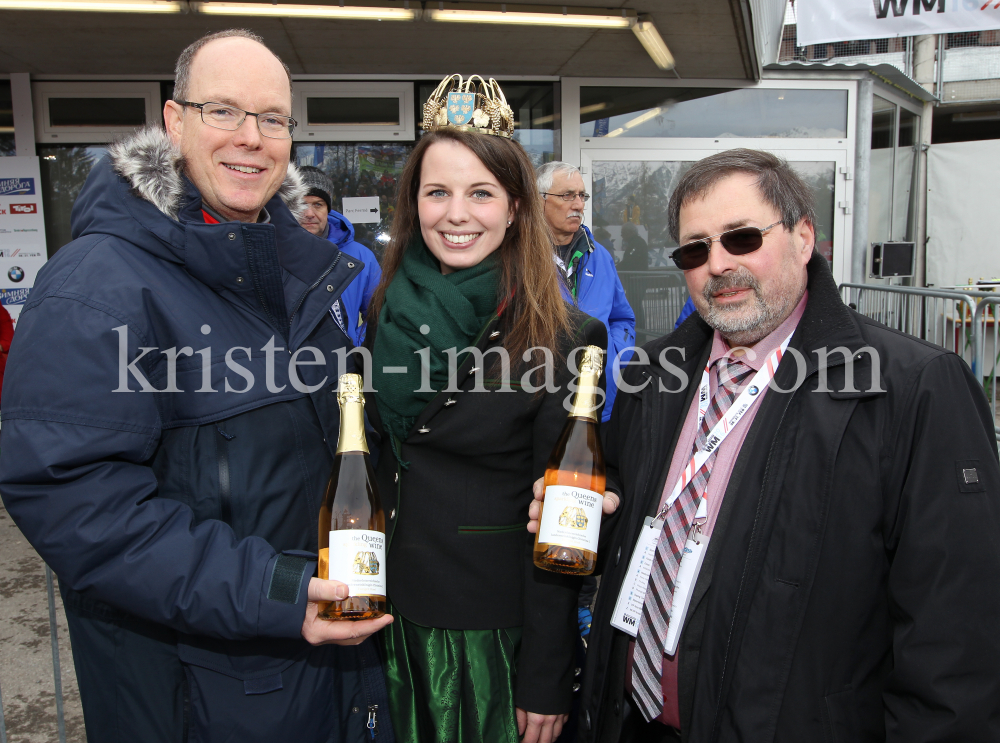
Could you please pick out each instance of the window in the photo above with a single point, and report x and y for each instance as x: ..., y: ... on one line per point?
x: 77, y: 113
x: 712, y: 112
x: 895, y: 139
x: 64, y: 170
x: 345, y: 112
x: 97, y: 112
x: 880, y: 174
x: 360, y: 170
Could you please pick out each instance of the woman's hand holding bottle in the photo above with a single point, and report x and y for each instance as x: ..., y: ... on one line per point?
x: 611, y: 501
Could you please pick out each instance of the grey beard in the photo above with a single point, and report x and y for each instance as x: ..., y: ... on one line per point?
x: 749, y: 323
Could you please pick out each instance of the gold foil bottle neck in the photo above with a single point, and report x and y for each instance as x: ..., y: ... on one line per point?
x: 352, y: 415
x: 585, y: 399
x: 350, y: 389
x: 591, y: 363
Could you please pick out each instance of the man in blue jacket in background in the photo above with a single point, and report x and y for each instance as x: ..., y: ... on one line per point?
x: 169, y: 428
x: 321, y: 220
x: 590, y: 279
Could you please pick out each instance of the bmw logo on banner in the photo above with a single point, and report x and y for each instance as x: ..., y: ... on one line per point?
x: 15, y: 274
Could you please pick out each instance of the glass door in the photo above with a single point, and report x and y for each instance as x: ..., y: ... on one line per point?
x: 628, y: 215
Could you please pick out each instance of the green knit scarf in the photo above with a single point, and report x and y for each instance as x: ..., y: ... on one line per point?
x: 425, y: 309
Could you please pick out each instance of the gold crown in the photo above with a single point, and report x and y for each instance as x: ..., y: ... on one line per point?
x: 470, y: 106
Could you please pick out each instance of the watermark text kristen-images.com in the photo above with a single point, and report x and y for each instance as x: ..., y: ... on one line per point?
x: 540, y: 376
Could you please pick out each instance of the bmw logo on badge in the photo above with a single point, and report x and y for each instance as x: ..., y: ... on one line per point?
x: 754, y: 390
x: 15, y: 274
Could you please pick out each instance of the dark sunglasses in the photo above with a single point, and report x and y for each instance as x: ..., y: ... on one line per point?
x: 740, y: 241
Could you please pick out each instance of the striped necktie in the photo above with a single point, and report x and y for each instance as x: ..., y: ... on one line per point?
x: 647, y: 664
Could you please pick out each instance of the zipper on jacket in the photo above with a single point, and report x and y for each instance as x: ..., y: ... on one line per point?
x: 372, y: 721
x: 316, y: 283
x: 225, y: 480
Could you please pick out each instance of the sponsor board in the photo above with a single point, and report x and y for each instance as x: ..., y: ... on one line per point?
x: 22, y: 230
x: 11, y: 297
x: 17, y: 186
x: 20, y: 253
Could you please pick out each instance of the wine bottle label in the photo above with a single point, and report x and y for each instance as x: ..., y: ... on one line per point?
x: 357, y: 558
x: 571, y: 517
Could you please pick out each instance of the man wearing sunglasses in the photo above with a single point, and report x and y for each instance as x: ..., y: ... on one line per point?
x: 163, y: 451
x: 817, y: 498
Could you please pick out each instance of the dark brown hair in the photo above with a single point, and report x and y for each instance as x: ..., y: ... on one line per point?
x: 536, y: 313
x: 779, y: 185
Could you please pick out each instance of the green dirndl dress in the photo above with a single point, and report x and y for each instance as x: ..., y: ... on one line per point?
x: 449, y: 685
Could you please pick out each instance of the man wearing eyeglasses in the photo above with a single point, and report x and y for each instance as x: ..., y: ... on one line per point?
x: 588, y: 270
x: 806, y: 545
x: 169, y: 426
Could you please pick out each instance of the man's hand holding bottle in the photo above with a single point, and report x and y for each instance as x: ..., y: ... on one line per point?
x: 318, y: 631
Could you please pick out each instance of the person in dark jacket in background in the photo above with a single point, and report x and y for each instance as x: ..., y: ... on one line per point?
x: 589, y: 277
x: 175, y: 491
x: 845, y: 584
x: 321, y: 220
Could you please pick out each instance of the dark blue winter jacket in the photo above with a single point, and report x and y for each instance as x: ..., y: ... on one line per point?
x: 600, y: 294
x: 355, y: 298
x: 166, y: 458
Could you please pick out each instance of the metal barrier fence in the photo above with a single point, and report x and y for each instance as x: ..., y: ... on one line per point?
x: 657, y: 298
x: 965, y: 322
x: 987, y: 320
x: 935, y: 315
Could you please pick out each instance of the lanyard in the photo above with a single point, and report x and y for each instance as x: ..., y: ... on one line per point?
x: 740, y: 407
x: 631, y: 598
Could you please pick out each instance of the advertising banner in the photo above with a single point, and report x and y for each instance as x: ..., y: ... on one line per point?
x: 22, y: 231
x: 828, y: 21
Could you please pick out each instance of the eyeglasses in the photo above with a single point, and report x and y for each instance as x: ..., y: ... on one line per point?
x: 230, y: 118
x: 569, y: 195
x: 740, y: 241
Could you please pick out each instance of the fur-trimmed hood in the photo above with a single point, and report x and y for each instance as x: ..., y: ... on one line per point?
x: 155, y: 168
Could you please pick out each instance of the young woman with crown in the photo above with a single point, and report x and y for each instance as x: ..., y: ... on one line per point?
x: 482, y: 647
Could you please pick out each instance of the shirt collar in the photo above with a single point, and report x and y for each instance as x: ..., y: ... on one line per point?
x: 766, y: 345
x: 262, y: 218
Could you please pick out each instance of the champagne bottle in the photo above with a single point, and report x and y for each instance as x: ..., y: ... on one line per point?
x: 351, y: 521
x: 570, y: 520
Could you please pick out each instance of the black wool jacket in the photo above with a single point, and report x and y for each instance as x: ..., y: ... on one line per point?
x: 459, y: 555
x: 851, y: 588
